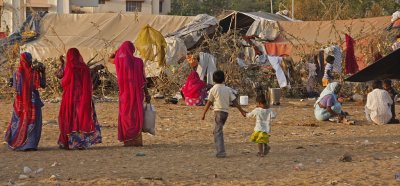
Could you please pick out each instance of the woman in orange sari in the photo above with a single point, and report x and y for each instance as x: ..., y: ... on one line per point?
x: 132, y: 91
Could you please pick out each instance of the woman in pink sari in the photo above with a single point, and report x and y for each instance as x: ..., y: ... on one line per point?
x: 132, y: 91
x: 194, y: 90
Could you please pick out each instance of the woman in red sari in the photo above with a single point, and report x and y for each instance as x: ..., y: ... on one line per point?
x: 24, y: 130
x: 77, y: 120
x: 132, y: 91
x: 194, y: 90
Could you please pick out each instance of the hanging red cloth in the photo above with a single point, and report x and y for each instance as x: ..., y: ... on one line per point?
x: 131, y: 81
x: 76, y: 105
x: 351, y: 62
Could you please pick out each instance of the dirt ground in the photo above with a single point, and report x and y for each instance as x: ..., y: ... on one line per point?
x: 303, y: 151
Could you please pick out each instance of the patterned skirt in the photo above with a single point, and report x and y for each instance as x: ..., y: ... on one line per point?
x: 80, y: 140
x: 259, y: 137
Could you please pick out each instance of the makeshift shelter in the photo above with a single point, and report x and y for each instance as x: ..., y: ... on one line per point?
x: 385, y: 68
x: 102, y: 33
x: 91, y: 33
x: 29, y: 31
x: 193, y: 32
x: 256, y: 29
x: 242, y: 21
x: 99, y: 33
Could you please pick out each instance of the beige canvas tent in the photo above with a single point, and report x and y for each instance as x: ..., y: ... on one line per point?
x: 95, y: 34
x: 91, y: 33
x: 310, y: 32
x: 314, y: 33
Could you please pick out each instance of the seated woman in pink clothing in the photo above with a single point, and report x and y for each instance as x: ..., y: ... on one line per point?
x: 194, y: 90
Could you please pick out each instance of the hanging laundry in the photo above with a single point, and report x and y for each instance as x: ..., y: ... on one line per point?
x: 396, y: 44
x: 317, y: 65
x: 312, y: 74
x: 278, y: 49
x: 280, y: 75
x: 321, y: 59
x: 241, y: 60
x: 395, y: 16
x: 336, y: 52
x: 207, y: 66
x: 311, y: 69
x: 351, y: 62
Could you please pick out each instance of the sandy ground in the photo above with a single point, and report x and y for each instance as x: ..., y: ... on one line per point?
x: 303, y: 151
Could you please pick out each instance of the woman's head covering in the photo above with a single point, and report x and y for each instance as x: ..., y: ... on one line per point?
x: 74, y: 58
x: 126, y: 48
x: 329, y: 89
x: 25, y: 62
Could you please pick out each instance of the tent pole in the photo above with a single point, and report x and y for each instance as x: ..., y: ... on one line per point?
x: 272, y: 8
x: 292, y: 9
x: 234, y: 31
x: 230, y: 24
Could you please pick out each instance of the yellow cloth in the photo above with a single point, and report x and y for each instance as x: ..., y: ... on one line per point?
x: 151, y: 45
x: 325, y: 82
x: 259, y: 137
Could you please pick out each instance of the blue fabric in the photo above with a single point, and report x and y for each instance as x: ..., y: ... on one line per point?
x: 34, y: 129
x: 80, y: 140
x: 28, y: 56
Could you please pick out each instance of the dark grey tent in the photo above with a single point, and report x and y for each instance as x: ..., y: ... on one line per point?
x: 387, y: 67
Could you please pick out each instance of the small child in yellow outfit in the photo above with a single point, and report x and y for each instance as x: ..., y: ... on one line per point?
x: 264, y: 116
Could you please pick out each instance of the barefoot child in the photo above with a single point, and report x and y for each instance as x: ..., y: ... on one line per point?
x: 264, y: 116
x: 220, y: 96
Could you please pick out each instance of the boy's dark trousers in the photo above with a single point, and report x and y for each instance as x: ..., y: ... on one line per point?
x: 220, y: 119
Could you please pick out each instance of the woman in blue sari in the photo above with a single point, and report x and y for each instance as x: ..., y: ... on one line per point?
x: 24, y: 130
x: 327, y: 105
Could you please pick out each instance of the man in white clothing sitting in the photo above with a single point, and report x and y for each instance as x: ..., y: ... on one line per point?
x: 378, y: 105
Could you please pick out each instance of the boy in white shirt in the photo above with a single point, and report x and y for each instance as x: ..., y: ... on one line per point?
x: 264, y: 116
x: 220, y: 96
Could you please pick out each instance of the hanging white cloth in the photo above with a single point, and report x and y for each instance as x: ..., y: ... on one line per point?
x: 336, y: 52
x: 312, y: 70
x: 207, y: 66
x: 280, y: 75
x: 395, y: 16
